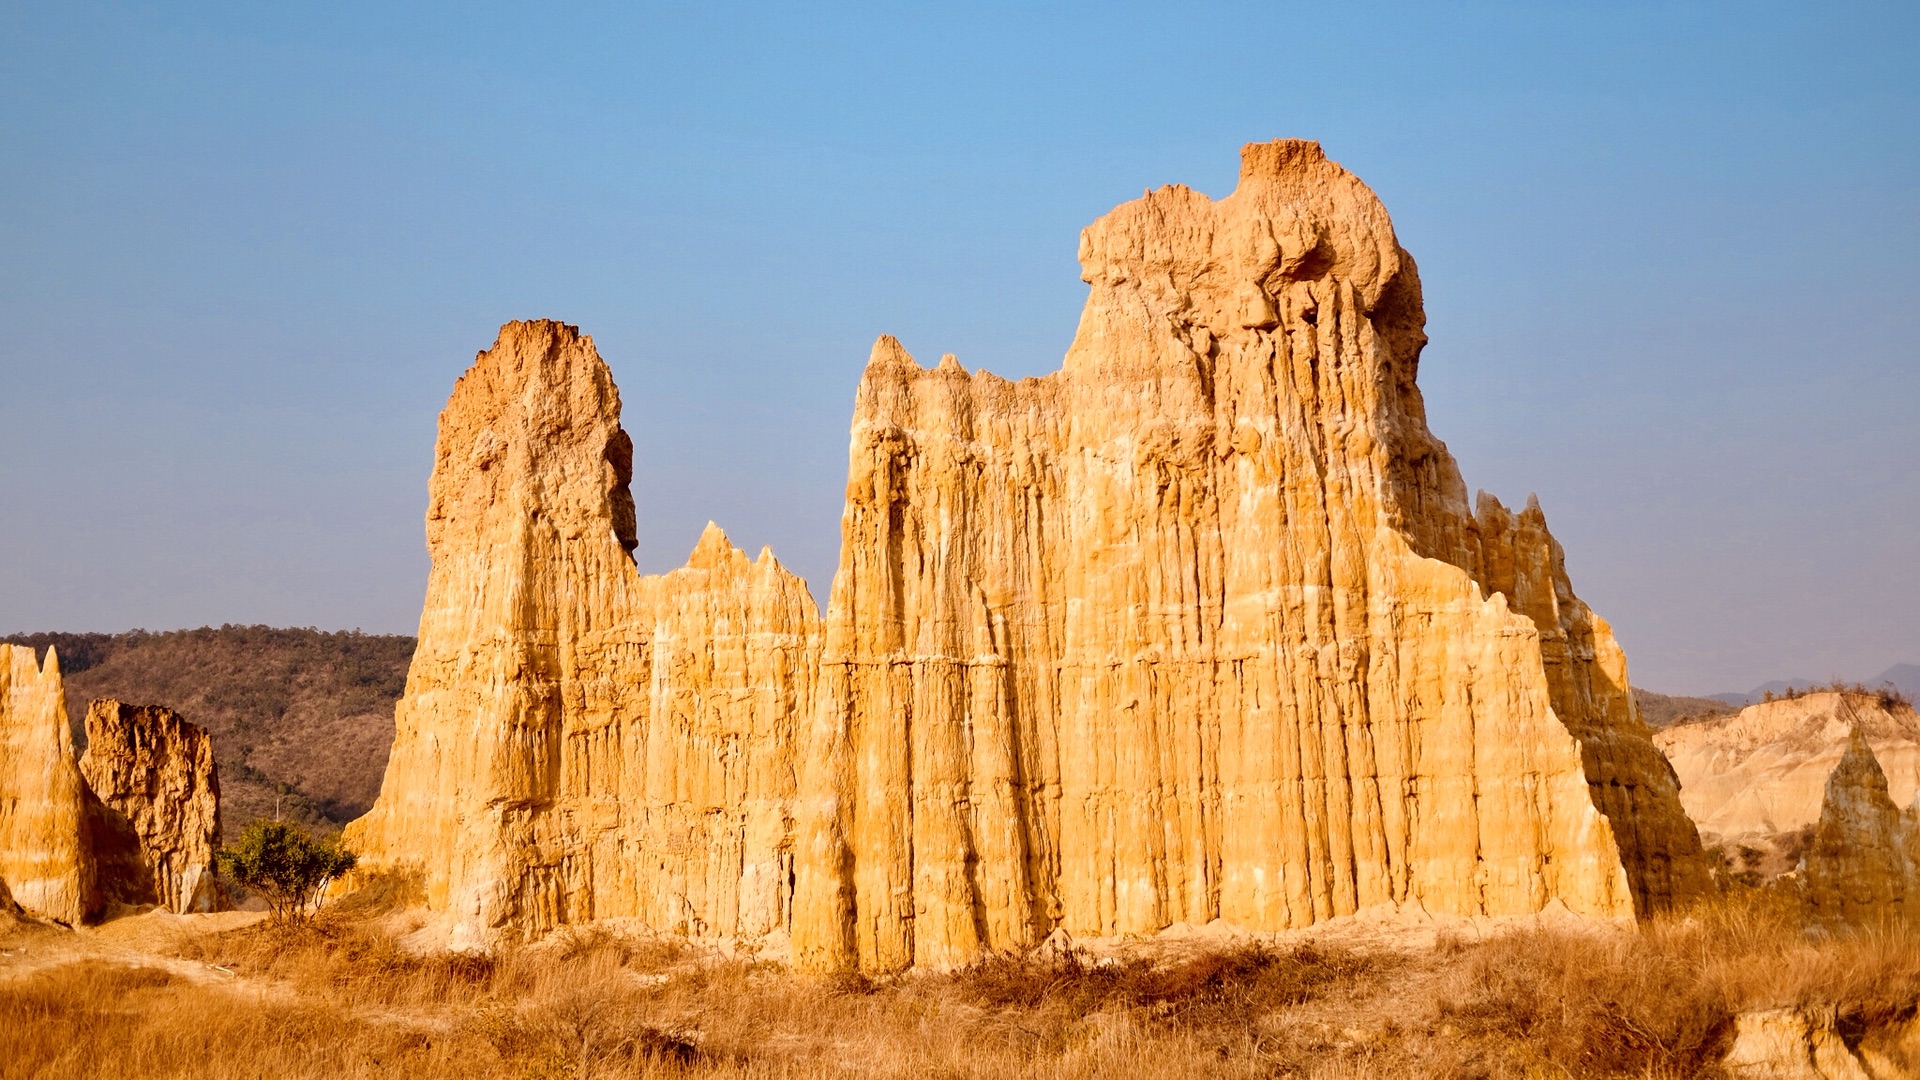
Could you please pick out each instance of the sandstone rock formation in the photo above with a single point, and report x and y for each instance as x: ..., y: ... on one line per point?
x: 1763, y: 771
x: 1863, y: 864
x: 578, y: 741
x: 1800, y: 1044
x: 154, y: 774
x: 44, y: 857
x: 1199, y: 627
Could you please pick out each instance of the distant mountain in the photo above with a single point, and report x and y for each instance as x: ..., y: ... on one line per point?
x: 1902, y: 677
x: 301, y: 719
x: 1759, y: 693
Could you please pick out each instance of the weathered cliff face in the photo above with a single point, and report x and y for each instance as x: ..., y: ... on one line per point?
x: 576, y: 740
x: 154, y: 776
x: 1763, y: 770
x: 44, y: 855
x: 1863, y: 864
x: 1201, y: 625
x: 1628, y: 777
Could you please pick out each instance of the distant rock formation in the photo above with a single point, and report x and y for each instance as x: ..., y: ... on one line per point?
x: 1863, y: 865
x: 44, y: 856
x: 133, y: 823
x: 155, y: 776
x: 1200, y: 627
x: 577, y: 740
x: 1758, y: 778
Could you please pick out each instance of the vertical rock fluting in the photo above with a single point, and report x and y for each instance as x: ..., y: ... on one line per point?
x: 44, y: 855
x: 154, y: 776
x: 1201, y: 626
x: 1629, y: 778
x: 1863, y: 864
x: 576, y: 740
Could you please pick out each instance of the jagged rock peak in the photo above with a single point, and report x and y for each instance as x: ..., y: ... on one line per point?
x: 44, y: 856
x: 533, y: 428
x: 578, y: 740
x: 1201, y: 625
x: 1863, y: 864
x: 155, y: 775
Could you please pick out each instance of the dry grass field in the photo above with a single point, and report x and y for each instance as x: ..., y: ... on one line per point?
x: 339, y: 998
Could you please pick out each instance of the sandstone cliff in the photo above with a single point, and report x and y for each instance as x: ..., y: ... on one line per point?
x: 1763, y: 771
x: 1863, y: 864
x: 1201, y: 625
x: 155, y: 777
x: 576, y: 740
x: 44, y: 857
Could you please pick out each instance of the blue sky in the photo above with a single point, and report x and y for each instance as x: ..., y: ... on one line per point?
x: 1668, y: 252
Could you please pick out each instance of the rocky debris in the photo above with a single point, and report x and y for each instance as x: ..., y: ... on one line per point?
x: 1863, y: 864
x: 44, y: 855
x: 1763, y: 771
x: 1200, y: 627
x: 154, y: 773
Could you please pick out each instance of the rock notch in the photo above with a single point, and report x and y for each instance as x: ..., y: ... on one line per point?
x: 1200, y: 627
x: 154, y: 776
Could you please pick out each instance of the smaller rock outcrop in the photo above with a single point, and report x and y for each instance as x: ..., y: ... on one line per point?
x: 1792, y: 1044
x: 1754, y: 781
x: 1863, y: 865
x: 44, y: 856
x: 155, y: 779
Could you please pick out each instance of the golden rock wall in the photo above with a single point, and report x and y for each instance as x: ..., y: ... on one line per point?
x: 1199, y: 627
x: 577, y: 740
x: 155, y: 778
x: 44, y: 856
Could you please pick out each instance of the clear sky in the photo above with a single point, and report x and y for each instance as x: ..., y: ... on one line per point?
x: 1668, y: 250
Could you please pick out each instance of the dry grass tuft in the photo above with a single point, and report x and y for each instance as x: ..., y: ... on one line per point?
x: 340, y: 998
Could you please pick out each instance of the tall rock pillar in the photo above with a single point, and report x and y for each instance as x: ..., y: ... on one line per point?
x: 1202, y: 626
x: 154, y: 775
x: 44, y: 856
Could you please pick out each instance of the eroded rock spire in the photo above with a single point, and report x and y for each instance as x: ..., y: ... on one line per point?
x: 1201, y: 626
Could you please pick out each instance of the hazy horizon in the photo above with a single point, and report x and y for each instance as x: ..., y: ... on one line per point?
x: 1666, y: 251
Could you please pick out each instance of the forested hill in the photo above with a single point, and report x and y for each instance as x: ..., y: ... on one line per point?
x: 301, y: 719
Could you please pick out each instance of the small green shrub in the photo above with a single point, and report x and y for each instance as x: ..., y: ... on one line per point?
x: 287, y: 865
